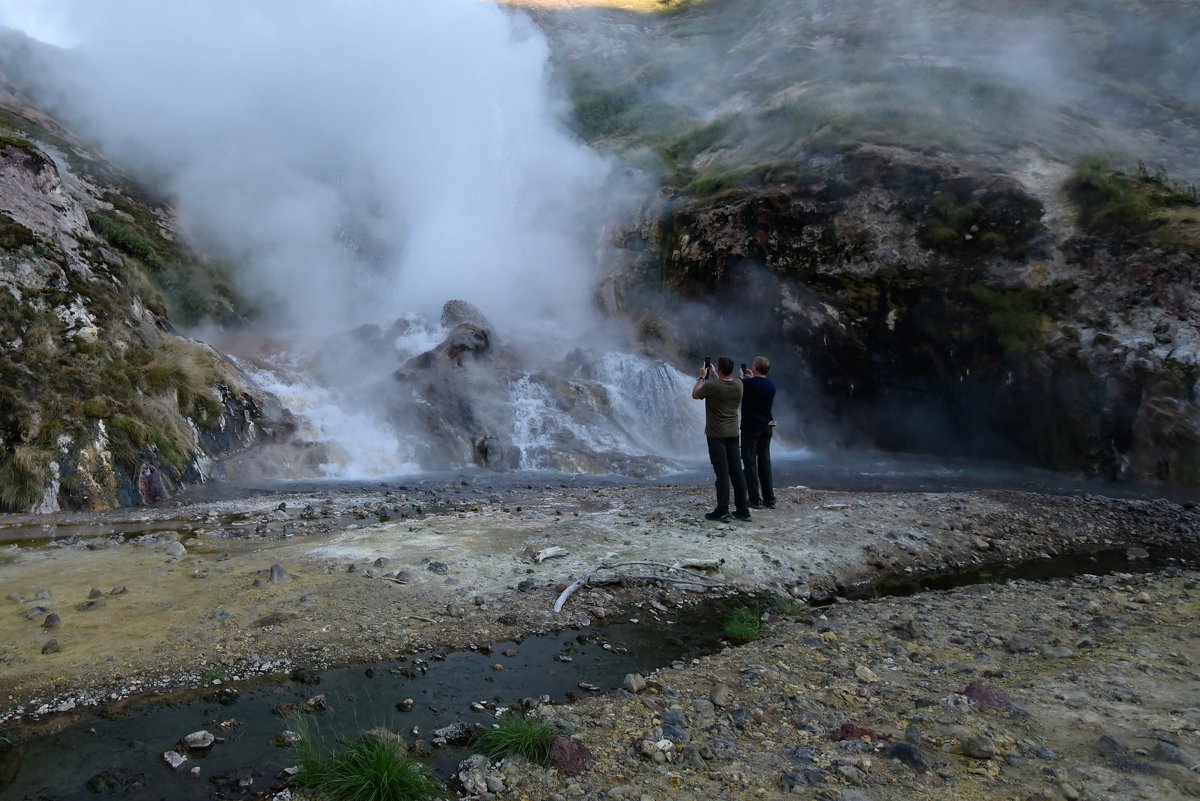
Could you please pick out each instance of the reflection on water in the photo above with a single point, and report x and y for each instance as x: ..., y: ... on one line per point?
x: 120, y: 751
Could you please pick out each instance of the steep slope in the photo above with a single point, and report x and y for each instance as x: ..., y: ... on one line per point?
x: 101, y: 403
x: 911, y: 207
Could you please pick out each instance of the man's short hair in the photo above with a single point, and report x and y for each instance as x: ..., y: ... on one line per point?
x: 724, y: 365
x: 762, y: 364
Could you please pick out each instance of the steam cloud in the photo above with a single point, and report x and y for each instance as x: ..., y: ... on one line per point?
x: 355, y: 160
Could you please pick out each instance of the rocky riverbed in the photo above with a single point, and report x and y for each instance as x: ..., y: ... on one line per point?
x: 1075, y: 688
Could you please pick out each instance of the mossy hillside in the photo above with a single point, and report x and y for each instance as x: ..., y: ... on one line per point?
x: 1134, y: 209
x: 55, y: 390
x: 60, y: 386
x: 194, y: 289
x: 806, y: 101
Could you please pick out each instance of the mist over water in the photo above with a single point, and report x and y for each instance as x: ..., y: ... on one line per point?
x: 354, y: 160
x: 365, y: 162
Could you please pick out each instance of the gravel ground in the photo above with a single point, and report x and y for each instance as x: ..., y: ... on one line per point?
x: 1081, y: 688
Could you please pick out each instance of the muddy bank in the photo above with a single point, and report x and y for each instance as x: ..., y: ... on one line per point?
x: 310, y: 580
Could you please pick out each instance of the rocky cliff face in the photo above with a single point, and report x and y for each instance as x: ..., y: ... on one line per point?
x: 899, y: 203
x: 101, y: 403
x: 928, y: 306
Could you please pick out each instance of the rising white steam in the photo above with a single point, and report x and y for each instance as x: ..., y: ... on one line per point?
x: 356, y: 159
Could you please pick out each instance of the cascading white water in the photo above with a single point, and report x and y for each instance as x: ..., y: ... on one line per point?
x: 630, y: 406
x: 360, y: 445
x: 370, y: 161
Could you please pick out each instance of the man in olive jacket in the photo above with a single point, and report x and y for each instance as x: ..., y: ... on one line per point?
x: 722, y: 396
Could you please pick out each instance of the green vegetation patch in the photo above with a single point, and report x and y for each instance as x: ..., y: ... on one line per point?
x: 366, y: 768
x: 518, y: 736
x: 13, y: 235
x: 1134, y: 208
x: 745, y: 625
x: 195, y: 289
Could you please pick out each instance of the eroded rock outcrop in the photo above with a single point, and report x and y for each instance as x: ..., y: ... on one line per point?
x: 95, y: 387
x: 927, y: 305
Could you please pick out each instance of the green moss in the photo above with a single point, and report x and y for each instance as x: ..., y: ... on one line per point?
x: 1133, y: 208
x: 1014, y: 317
x: 22, y: 477
x: 23, y: 145
x: 125, y: 238
x: 13, y: 235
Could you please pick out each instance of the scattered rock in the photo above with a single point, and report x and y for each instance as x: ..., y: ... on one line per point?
x: 199, y: 740
x: 570, y: 757
x: 634, y: 683
x: 977, y: 747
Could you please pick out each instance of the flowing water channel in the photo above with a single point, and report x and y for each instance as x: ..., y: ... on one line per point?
x: 118, y: 752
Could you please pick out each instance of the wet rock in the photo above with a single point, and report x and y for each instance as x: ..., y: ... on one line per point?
x: 634, y: 683
x: 175, y: 549
x: 51, y: 647
x: 52, y: 621
x: 305, y: 676
x: 1107, y: 744
x: 174, y: 760
x: 438, y: 568
x: 286, y: 738
x: 278, y: 574
x: 95, y: 593
x: 199, y: 740
x: 457, y: 733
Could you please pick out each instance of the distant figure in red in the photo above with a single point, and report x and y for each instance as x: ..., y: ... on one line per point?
x: 150, y: 484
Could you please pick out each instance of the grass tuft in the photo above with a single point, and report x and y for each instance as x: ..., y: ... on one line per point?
x: 367, y: 768
x: 745, y: 625
x: 518, y: 736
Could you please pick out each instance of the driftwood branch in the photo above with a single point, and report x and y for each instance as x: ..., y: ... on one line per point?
x: 549, y: 553
x: 675, y: 573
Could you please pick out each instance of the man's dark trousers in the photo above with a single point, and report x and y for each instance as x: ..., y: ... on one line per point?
x: 756, y: 459
x: 723, y: 453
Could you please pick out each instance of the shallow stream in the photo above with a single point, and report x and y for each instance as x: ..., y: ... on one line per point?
x: 117, y: 752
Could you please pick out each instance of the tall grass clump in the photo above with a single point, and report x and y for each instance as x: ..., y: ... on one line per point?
x: 518, y: 736
x: 745, y: 625
x: 366, y: 768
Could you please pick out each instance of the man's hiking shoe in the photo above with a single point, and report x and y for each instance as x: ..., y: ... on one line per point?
x: 770, y: 504
x: 720, y: 518
x: 755, y: 505
x: 743, y: 516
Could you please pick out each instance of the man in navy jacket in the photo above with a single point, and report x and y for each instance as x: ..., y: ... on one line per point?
x: 757, y: 427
